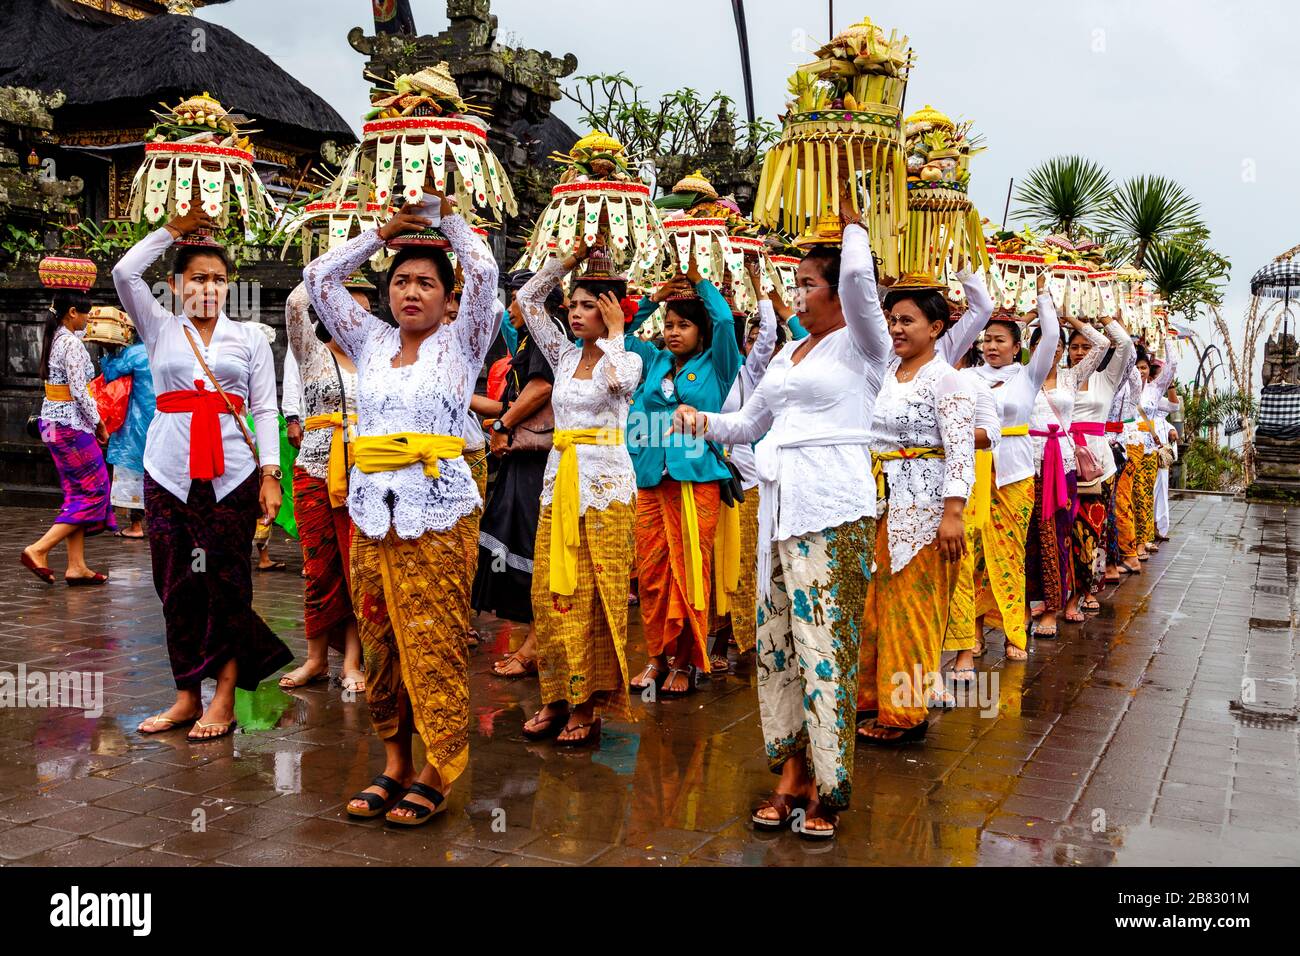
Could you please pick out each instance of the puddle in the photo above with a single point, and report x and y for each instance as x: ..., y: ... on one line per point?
x: 261, y: 709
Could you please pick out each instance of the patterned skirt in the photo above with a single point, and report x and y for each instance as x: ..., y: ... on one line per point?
x: 582, y: 637
x: 83, y: 477
x: 1049, y: 565
x: 203, y: 574
x: 999, y: 559
x: 1089, y: 539
x: 326, y: 537
x: 412, y: 600
x: 661, y: 571
x: 1111, y: 486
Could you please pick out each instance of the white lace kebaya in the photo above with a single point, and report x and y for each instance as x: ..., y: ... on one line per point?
x: 1055, y: 406
x: 813, y: 460
x: 1093, y: 404
x: 429, y: 397
x: 70, y: 365
x: 605, y: 473
x: 751, y: 373
x: 933, y: 410
x: 320, y: 383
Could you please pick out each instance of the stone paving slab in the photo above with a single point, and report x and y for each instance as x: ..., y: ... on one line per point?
x: 1114, y: 745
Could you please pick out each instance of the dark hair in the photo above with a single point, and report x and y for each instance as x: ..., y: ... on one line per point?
x: 184, y: 253
x: 441, y: 264
x: 1011, y: 325
x: 827, y: 261
x: 1142, y: 355
x: 742, y: 331
x: 930, y: 301
x: 598, y: 287
x: 1038, y: 335
x: 64, y: 301
x: 693, y: 311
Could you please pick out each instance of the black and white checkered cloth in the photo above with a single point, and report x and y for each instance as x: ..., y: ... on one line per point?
x: 1279, y: 412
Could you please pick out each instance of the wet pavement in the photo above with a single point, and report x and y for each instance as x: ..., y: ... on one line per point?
x: 1118, y: 744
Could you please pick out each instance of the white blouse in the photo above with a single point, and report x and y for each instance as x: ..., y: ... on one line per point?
x: 239, y: 356
x: 813, y: 459
x: 1014, y: 388
x: 1055, y: 406
x: 605, y: 472
x: 751, y: 373
x: 957, y: 341
x: 70, y: 365
x: 1153, y: 393
x: 430, y: 397
x: 1132, y: 435
x: 933, y: 410
x: 1094, y: 404
x: 987, y: 415
x: 320, y: 383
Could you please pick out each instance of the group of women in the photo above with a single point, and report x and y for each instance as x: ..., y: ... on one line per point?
x: 852, y: 502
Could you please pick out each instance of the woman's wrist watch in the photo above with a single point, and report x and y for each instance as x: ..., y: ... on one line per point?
x: 272, y: 471
x: 499, y: 427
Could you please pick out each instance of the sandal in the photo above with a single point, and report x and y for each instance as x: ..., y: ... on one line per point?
x: 689, y: 671
x: 963, y: 675
x: 1044, y: 633
x: 1014, y: 653
x: 529, y: 665
x: 550, y: 729
x: 905, y: 736
x: 160, y: 719
x: 1124, y: 569
x: 130, y: 537
x: 784, y: 804
x: 294, y: 685
x: 1082, y: 618
x: 375, y: 804
x: 229, y: 726
x: 273, y: 566
x: 651, y: 673
x: 979, y: 650
x: 592, y: 736
x: 1090, y: 605
x: 865, y: 715
x: 817, y: 812
x: 45, y: 574
x: 422, y: 813
x: 354, y: 685
x: 94, y: 580
x: 719, y: 665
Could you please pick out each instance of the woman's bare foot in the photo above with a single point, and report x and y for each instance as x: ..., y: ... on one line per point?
x: 187, y: 709
x: 1014, y: 653
x: 515, y: 665
x: 579, y: 725
x: 544, y: 718
x: 403, y: 775
x: 354, y: 680
x: 429, y: 777
x: 302, y: 676
x: 216, y: 720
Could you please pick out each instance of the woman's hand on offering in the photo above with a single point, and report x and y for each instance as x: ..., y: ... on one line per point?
x: 196, y: 220
x: 407, y: 219
x: 611, y: 310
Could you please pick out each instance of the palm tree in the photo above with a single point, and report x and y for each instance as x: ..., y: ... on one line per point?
x: 1149, y: 209
x: 1187, y: 274
x: 1066, y: 194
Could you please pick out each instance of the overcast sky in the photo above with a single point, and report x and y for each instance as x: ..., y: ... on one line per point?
x: 1203, y: 92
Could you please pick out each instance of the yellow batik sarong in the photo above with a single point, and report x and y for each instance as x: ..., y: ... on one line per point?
x: 1126, y: 502
x: 744, y: 601
x: 998, y: 562
x: 336, y: 477
x: 478, y: 469
x: 960, y: 633
x: 582, y: 636
x: 1144, y: 497
x: 566, y: 506
x: 981, y: 493
x: 412, y: 605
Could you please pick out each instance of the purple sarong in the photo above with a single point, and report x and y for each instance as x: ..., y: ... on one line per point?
x: 83, y: 475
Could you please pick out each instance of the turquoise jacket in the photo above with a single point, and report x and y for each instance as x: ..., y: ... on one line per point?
x: 703, y: 383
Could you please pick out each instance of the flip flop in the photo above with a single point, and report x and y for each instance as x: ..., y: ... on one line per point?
x: 159, y: 718
x: 45, y: 574
x: 314, y: 679
x: 963, y: 675
x: 94, y: 580
x: 129, y: 537
x: 782, y: 803
x: 230, y: 726
x: 273, y: 566
x: 422, y: 813
x: 592, y: 736
x: 528, y: 664
x: 1045, y: 634
x: 1081, y: 619
x: 908, y: 735
x: 550, y: 729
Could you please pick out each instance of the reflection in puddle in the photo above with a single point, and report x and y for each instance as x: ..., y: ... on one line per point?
x: 261, y: 709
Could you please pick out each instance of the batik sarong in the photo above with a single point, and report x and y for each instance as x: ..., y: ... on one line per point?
x: 807, y: 653
x: 582, y: 637
x: 412, y: 601
x: 326, y: 537
x: 904, y: 621
x: 128, y: 488
x: 1144, y: 497
x: 1049, y: 566
x: 1088, y: 542
x: 744, y: 602
x: 1126, y: 503
x: 1000, y: 560
x: 666, y: 610
x: 83, y: 477
x: 203, y: 574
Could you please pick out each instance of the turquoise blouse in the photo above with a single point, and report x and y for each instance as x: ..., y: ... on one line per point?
x: 703, y: 383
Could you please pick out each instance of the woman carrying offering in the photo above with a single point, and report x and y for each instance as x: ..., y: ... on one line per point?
x: 203, y: 490
x: 1048, y: 559
x: 817, y: 504
x: 584, y: 537
x: 320, y: 495
x: 678, y: 499
x: 73, y: 432
x: 413, y: 498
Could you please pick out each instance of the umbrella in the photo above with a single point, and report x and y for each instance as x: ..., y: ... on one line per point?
x: 1276, y: 280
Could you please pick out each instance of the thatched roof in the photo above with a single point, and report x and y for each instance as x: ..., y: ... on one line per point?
x: 148, y: 61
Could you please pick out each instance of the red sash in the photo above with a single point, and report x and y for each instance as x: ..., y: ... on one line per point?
x: 207, y: 454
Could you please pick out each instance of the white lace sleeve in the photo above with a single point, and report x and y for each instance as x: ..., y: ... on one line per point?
x: 80, y: 370
x: 1090, y: 362
x: 476, y: 323
x: 956, y: 411
x: 957, y: 341
x: 1044, y: 354
x: 622, y: 368
x: 349, y: 324
x: 1124, y: 350
x: 532, y: 298
x: 134, y: 292
x: 297, y: 323
x: 1167, y: 372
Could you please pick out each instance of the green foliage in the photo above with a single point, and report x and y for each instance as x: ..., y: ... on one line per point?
x: 1188, y: 273
x: 108, y: 240
x: 1208, y: 466
x: 1204, y: 413
x: 1066, y: 194
x: 1146, y: 210
x: 17, y: 243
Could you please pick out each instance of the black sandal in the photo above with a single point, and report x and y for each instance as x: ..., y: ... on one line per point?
x: 910, y: 735
x: 817, y: 812
x: 550, y: 730
x: 375, y: 804
x: 784, y: 804
x: 422, y: 813
x: 592, y: 736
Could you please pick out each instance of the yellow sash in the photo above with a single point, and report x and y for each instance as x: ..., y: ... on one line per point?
x: 337, y: 477
x: 565, y: 507
x: 390, y: 452
x: 693, y: 558
x: 58, y: 393
x: 982, y: 493
x: 878, y: 459
x: 1146, y: 425
x: 726, y: 556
